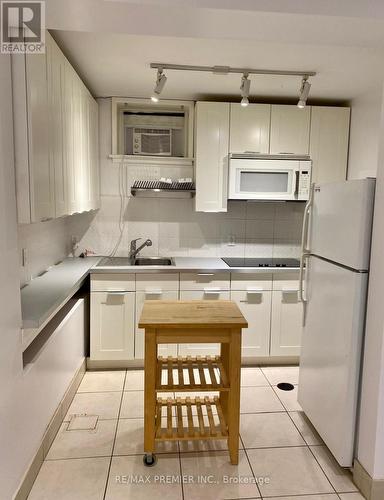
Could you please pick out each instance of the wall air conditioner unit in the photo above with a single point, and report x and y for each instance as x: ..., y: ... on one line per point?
x: 152, y: 141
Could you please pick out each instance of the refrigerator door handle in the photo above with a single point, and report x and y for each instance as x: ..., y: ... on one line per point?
x: 304, y: 244
x: 302, y: 297
x: 304, y: 233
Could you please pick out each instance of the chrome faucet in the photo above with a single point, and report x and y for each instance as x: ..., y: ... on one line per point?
x: 134, y: 250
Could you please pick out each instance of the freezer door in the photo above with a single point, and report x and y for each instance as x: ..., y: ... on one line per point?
x: 330, y: 353
x: 341, y: 222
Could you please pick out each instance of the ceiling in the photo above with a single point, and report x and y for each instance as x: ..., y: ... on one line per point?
x: 113, y: 46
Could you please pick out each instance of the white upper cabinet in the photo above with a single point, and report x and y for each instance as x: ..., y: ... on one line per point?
x: 329, y: 143
x: 249, y: 128
x: 290, y: 129
x: 56, y: 137
x: 211, y: 156
x: 34, y: 173
x: 56, y: 83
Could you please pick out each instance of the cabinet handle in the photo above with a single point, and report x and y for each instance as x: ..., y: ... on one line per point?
x: 212, y: 291
x: 290, y: 290
x: 206, y: 274
x: 255, y: 290
x: 116, y: 293
x: 154, y: 292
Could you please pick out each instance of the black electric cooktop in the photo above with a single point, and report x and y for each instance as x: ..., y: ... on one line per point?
x: 259, y: 262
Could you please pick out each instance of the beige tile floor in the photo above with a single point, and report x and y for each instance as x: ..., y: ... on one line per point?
x: 99, y: 457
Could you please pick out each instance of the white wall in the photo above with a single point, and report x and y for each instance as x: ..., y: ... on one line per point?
x: 364, y: 134
x: 258, y: 229
x: 371, y: 428
x: 28, y: 397
x: 13, y: 454
x: 47, y: 243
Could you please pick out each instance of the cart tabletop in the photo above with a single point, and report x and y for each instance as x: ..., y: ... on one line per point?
x: 191, y: 314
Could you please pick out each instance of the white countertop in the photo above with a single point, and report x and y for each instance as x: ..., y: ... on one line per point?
x: 47, y: 293
x: 188, y: 264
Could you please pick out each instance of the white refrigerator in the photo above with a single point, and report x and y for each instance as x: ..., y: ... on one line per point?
x: 336, y: 249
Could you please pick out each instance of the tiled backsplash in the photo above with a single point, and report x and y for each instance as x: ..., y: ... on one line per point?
x: 248, y: 229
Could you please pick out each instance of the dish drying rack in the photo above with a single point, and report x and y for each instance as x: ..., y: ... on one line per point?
x: 146, y: 187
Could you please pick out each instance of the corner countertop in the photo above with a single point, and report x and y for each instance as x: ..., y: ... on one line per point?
x: 47, y: 293
x: 190, y: 264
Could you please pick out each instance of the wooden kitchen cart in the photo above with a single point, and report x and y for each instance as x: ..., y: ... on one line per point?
x: 188, y: 418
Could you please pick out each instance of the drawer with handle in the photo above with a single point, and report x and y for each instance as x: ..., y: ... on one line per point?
x: 205, y: 281
x: 112, y: 282
x: 286, y: 281
x: 249, y: 281
x: 152, y: 283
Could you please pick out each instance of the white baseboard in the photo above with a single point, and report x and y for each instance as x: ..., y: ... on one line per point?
x: 371, y: 489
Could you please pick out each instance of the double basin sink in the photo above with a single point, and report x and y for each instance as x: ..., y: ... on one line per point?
x: 139, y: 261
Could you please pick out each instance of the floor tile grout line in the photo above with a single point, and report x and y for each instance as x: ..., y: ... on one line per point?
x: 301, y: 495
x: 181, y: 472
x: 325, y: 474
x: 301, y: 434
x: 250, y: 465
x: 114, y: 439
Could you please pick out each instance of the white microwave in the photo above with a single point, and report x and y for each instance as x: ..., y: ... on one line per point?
x: 256, y: 178
x: 152, y: 141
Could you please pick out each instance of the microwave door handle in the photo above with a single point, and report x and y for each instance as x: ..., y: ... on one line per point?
x: 297, y: 181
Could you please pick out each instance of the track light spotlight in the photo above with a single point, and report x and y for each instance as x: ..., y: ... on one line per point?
x: 244, y: 89
x: 304, y: 92
x: 161, y: 80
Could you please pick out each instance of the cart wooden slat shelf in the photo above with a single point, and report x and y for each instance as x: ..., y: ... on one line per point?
x: 171, y: 419
x: 180, y: 422
x: 191, y: 374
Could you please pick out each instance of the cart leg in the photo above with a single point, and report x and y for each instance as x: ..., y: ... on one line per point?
x: 224, y: 355
x: 233, y: 416
x: 150, y: 363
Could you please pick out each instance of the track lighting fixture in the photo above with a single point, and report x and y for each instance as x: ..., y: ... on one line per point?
x: 161, y: 80
x: 244, y: 89
x: 304, y: 92
x: 225, y: 70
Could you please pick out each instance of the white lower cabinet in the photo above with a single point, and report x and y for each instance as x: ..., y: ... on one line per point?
x: 201, y: 349
x: 141, y: 297
x: 286, y: 325
x: 112, y: 325
x: 256, y: 308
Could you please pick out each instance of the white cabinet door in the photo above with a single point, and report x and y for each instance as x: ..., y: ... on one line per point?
x: 329, y: 143
x: 93, y: 119
x: 41, y: 175
x: 201, y: 349
x: 290, y: 129
x: 71, y: 133
x: 249, y: 128
x: 112, y: 325
x: 141, y: 297
x: 56, y: 82
x: 286, y: 328
x: 256, y: 308
x: 211, y: 156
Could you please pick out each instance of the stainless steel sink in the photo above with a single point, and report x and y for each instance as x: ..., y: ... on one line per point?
x: 154, y: 261
x: 139, y: 261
